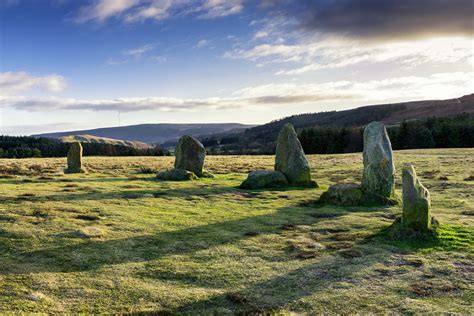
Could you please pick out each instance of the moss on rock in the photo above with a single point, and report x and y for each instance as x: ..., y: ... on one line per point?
x: 176, y: 175
x: 416, y: 209
x: 261, y: 179
x: 378, y: 178
x: 190, y: 155
x: 74, y: 159
x: 346, y: 194
x: 291, y: 160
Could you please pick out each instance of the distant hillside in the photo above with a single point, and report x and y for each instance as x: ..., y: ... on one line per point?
x: 153, y: 133
x: 103, y: 140
x: 261, y: 139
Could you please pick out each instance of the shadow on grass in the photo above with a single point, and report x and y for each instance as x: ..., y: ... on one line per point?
x: 90, y: 254
x: 83, y: 179
x: 275, y: 294
x: 203, y: 189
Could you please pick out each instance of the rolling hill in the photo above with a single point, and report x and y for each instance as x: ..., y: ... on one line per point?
x: 262, y: 138
x: 103, y: 140
x: 153, y: 133
x: 387, y: 113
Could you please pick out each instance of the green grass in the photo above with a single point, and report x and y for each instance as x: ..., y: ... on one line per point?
x: 115, y: 240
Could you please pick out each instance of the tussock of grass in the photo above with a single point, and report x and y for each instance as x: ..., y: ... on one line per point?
x: 118, y: 241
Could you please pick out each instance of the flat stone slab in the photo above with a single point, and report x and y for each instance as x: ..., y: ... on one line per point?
x: 262, y: 179
x: 346, y: 194
x: 176, y: 175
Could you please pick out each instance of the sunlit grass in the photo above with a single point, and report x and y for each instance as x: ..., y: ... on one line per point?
x: 116, y: 240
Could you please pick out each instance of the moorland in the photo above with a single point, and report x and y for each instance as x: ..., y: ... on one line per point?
x: 117, y: 240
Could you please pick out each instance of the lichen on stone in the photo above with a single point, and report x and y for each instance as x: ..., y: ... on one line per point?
x: 74, y: 159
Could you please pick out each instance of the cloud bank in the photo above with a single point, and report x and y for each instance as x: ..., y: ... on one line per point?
x: 132, y: 11
x: 387, y: 19
x: 14, y: 82
x: 437, y: 86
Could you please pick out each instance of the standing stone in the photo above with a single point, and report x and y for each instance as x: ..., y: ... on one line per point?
x: 290, y: 158
x: 190, y: 155
x: 74, y: 159
x: 416, y: 201
x: 378, y: 179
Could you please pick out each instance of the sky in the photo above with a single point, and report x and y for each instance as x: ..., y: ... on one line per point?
x: 79, y: 64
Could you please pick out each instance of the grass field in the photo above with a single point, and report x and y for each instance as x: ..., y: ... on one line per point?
x: 116, y: 240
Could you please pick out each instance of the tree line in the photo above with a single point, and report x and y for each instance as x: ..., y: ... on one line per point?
x: 31, y: 147
x: 447, y: 132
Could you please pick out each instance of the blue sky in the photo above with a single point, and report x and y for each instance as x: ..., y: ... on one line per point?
x: 73, y: 64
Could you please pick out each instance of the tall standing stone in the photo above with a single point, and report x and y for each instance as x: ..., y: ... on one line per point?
x: 290, y: 158
x: 190, y: 155
x: 378, y: 178
x: 74, y: 159
x: 416, y: 201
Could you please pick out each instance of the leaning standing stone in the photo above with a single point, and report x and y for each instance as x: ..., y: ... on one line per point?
x: 290, y: 158
x: 378, y: 179
x: 74, y: 159
x: 190, y: 155
x: 416, y: 201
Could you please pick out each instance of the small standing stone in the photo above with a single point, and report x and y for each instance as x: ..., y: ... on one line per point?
x: 190, y: 155
x: 416, y: 201
x: 74, y: 159
x: 290, y: 158
x: 379, y: 171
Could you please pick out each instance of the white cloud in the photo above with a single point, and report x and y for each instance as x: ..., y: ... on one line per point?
x: 139, y: 51
x: 202, y: 43
x: 260, y: 34
x: 15, y: 82
x: 436, y: 86
x: 139, y: 10
x: 221, y: 8
x: 330, y: 53
x: 101, y: 10
x: 132, y: 54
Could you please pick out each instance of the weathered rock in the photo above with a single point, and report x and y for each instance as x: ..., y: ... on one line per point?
x: 190, y: 155
x: 346, y: 194
x: 261, y: 179
x: 176, y: 175
x: 378, y: 179
x: 290, y: 158
x: 416, y: 201
x: 74, y: 159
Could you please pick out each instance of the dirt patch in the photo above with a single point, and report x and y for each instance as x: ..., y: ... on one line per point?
x: 413, y: 261
x: 7, y: 218
x: 236, y: 298
x: 307, y: 254
x: 131, y: 186
x: 350, y: 253
x: 323, y: 215
x: 88, y: 217
x: 430, y: 288
x: 252, y: 233
x: 339, y: 245
x: 288, y: 226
